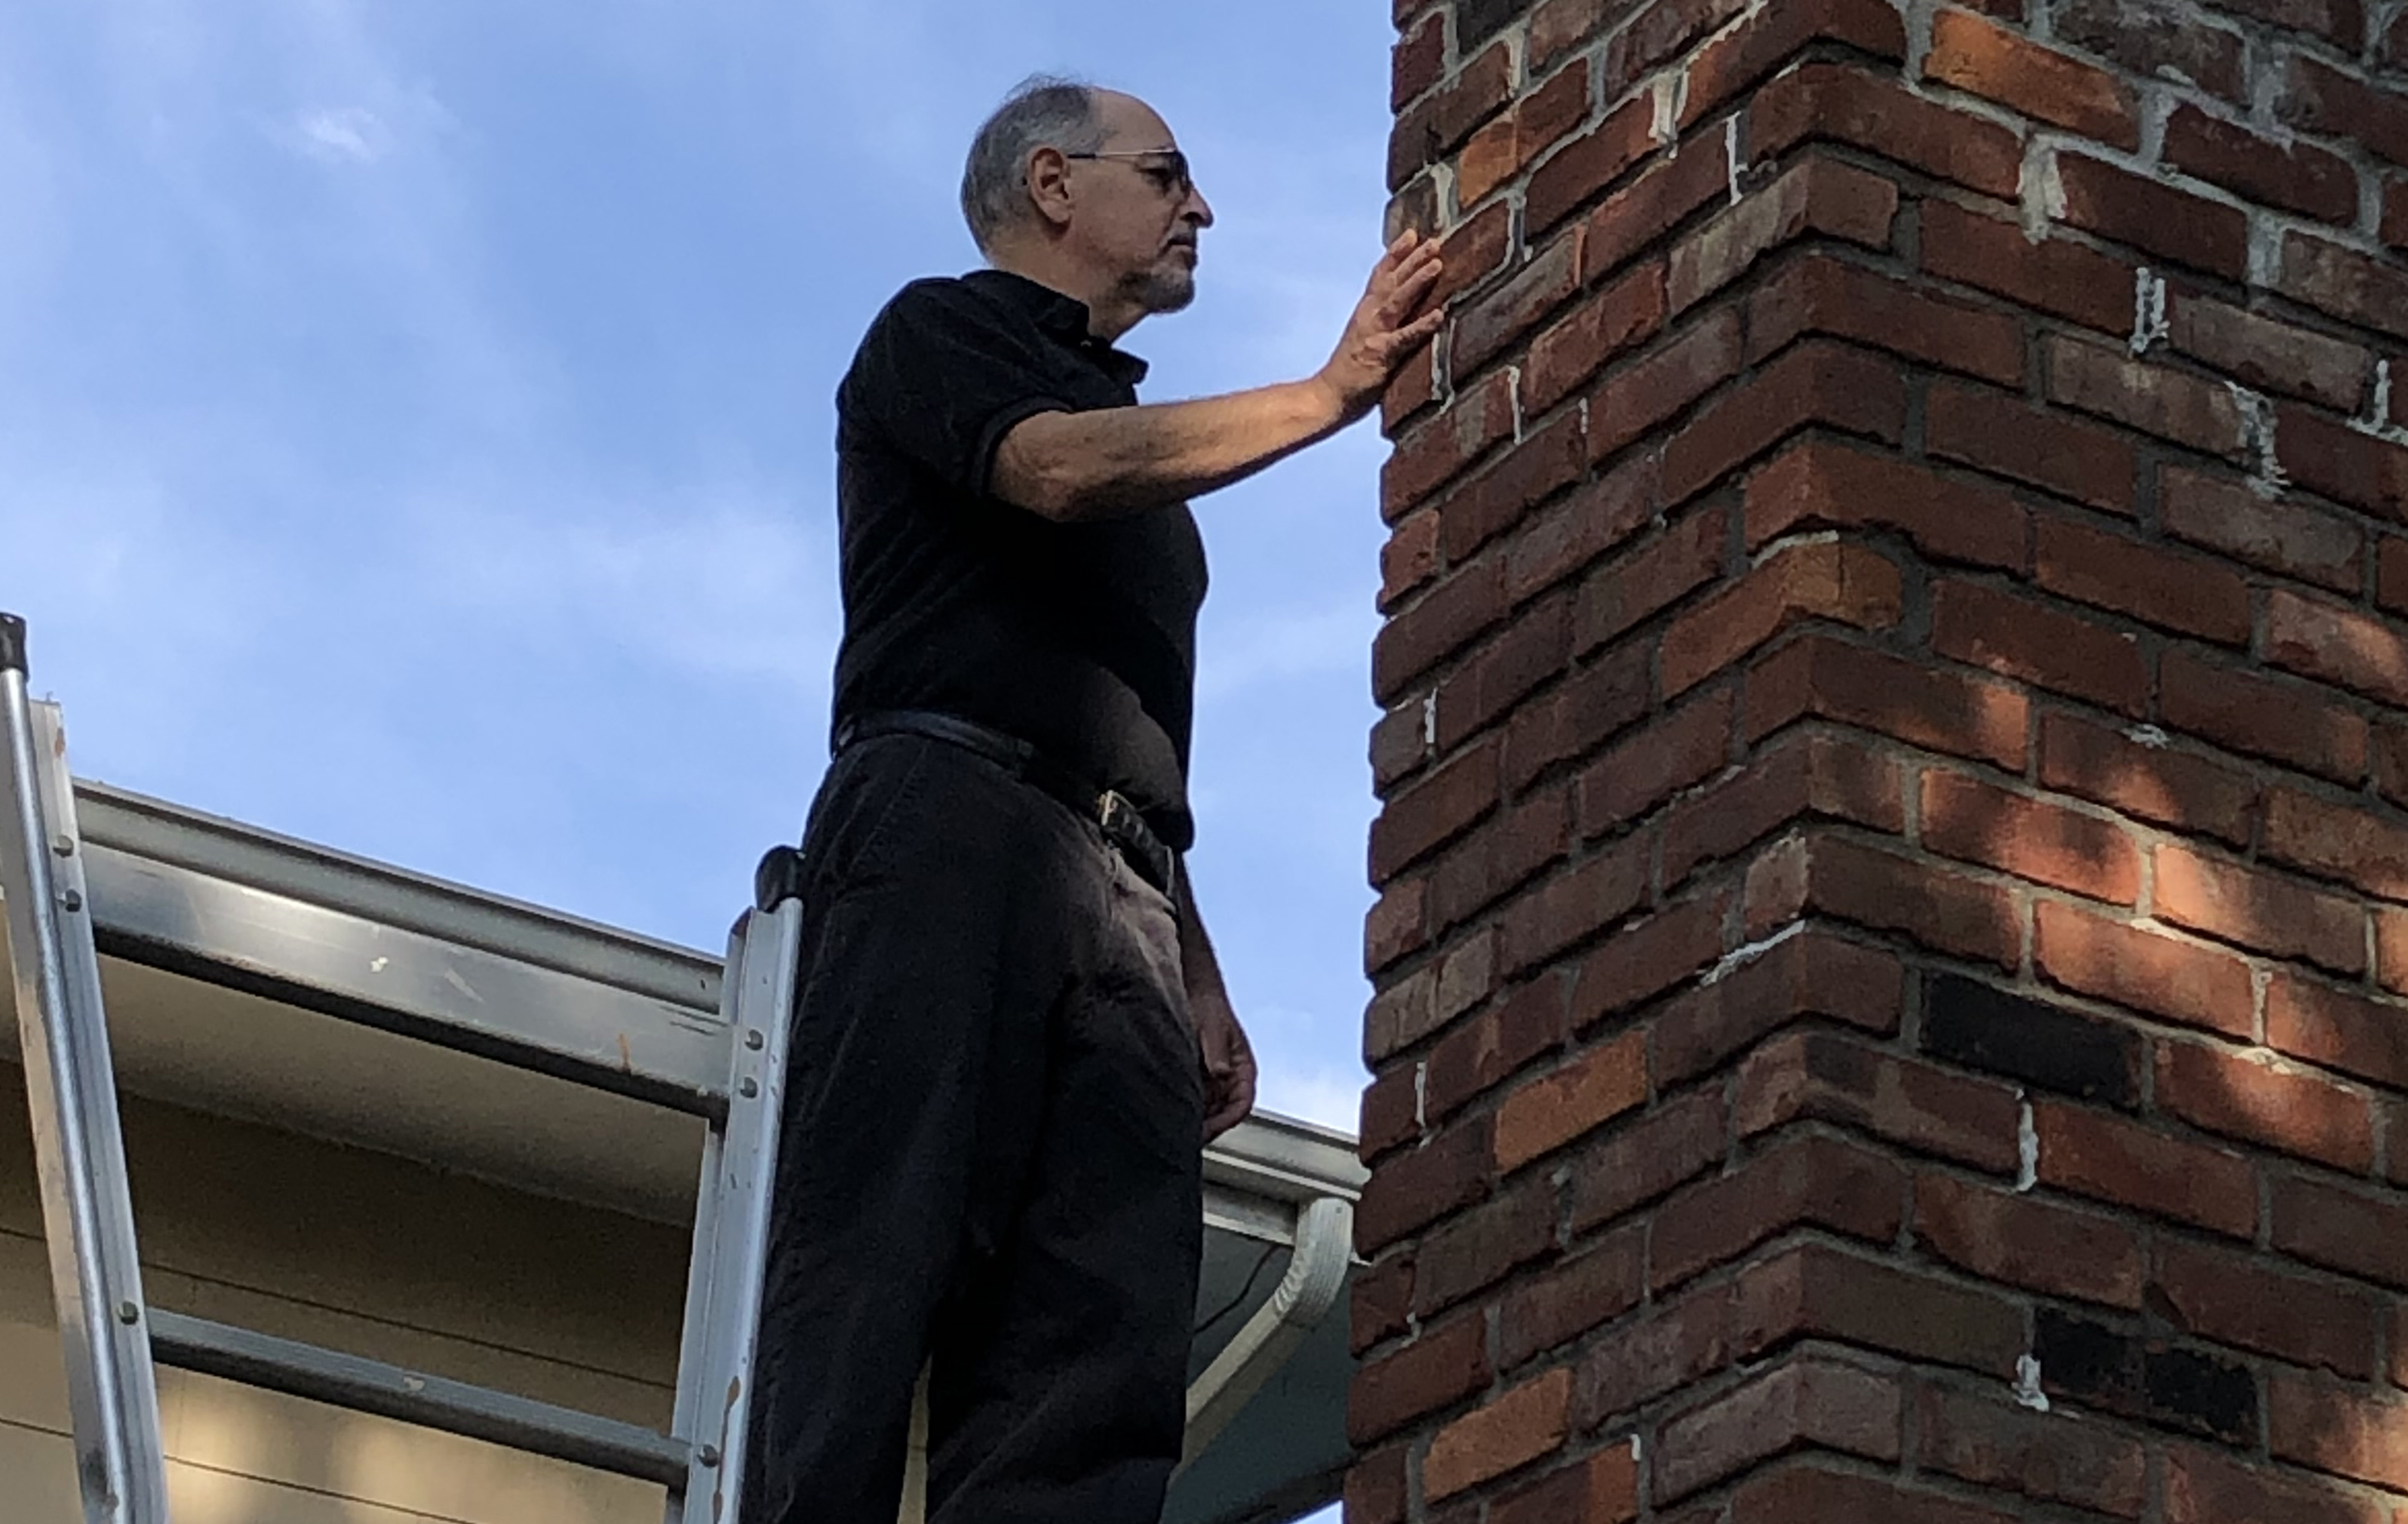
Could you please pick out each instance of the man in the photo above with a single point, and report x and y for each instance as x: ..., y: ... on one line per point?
x: 1012, y: 1040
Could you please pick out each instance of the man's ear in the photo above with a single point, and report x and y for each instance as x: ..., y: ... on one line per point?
x: 1048, y: 179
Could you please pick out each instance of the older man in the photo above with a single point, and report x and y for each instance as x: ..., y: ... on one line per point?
x: 1013, y: 1039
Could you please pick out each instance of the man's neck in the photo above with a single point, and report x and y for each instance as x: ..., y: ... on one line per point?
x: 1109, y: 313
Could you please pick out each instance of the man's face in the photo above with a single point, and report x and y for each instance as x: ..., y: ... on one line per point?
x: 1138, y: 217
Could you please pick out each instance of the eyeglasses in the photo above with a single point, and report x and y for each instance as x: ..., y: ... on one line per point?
x: 1171, y: 176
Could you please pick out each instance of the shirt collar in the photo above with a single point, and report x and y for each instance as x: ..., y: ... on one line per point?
x: 1065, y: 318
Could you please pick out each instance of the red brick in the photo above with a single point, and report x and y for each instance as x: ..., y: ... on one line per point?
x: 2345, y: 283
x: 2195, y: 594
x: 2294, y: 540
x: 2299, y: 177
x: 2342, y: 463
x: 2044, y: 448
x: 1433, y: 454
x: 1822, y: 1404
x: 2151, y: 215
x: 1637, y: 398
x: 2021, y: 1240
x: 1657, y: 201
x: 1413, y: 388
x: 1823, y: 1076
x: 1540, y: 1314
x: 1434, y: 127
x: 1409, y: 558
x: 1532, y: 833
x: 1646, y: 1158
x: 1629, y: 311
x: 2338, y: 1028
x: 1819, y: 483
x: 1818, y: 381
x: 1434, y: 810
x: 2338, y: 841
x: 1436, y: 1370
x: 2338, y: 1428
x: 2339, y: 645
x: 1834, y: 103
x: 1977, y: 822
x: 2151, y: 782
x: 1650, y: 579
x: 1574, y: 905
x: 1602, y: 1489
x: 2357, y: 1233
x: 2290, y: 1109
x: 2394, y: 232
x: 1818, y: 294
x: 1658, y: 34
x: 2237, y: 1300
x: 1435, y: 626
x: 1492, y: 1046
x: 1813, y: 775
x: 2110, y: 1160
x: 1475, y: 249
x: 2055, y: 1458
x: 1774, y: 35
x: 1851, y: 583
x: 2057, y: 276
x: 1473, y: 1251
x: 2153, y: 39
x: 1496, y: 321
x: 1818, y: 196
x: 1412, y: 1189
x: 1587, y: 164
x: 1398, y: 747
x: 2265, y: 912
x: 1989, y: 59
x: 2156, y: 399
x: 1949, y: 912
x: 2184, y: 982
x: 1501, y: 150
x: 1807, y: 1493
x: 2320, y: 98
x: 2269, y: 354
x: 1514, y: 1429
x: 1673, y: 753
x: 1923, y: 706
x: 1800, y: 1182
x: 2210, y: 1486
x: 1393, y: 926
x: 2391, y: 573
x: 1586, y: 1093
x: 1418, y: 61
x: 1565, y: 537
x: 1589, y: 707
x: 1648, y: 958
x: 2391, y: 956
x: 1811, y: 974
x: 2288, y: 722
x: 1387, y: 1115
x: 1375, y: 1487
x: 1502, y: 494
x: 1527, y: 651
x: 2342, y: 22
x: 2036, y: 642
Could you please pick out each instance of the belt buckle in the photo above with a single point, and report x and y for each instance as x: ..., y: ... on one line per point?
x: 1124, y: 825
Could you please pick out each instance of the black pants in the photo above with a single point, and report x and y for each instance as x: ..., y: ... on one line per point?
x: 990, y: 1159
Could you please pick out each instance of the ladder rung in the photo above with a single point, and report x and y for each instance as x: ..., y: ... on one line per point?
x: 389, y: 1391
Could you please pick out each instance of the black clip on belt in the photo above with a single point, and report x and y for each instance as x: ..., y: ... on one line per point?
x: 1123, y: 823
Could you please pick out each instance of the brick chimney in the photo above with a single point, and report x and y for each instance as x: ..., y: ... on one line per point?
x: 1892, y: 948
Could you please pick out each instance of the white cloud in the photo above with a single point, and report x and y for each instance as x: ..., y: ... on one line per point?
x: 350, y: 134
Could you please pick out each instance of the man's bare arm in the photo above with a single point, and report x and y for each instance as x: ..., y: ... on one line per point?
x: 1228, y: 1058
x: 1071, y: 466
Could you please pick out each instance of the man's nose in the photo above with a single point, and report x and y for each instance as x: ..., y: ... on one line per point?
x: 1196, y: 209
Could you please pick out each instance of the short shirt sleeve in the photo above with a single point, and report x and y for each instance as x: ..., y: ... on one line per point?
x: 943, y: 375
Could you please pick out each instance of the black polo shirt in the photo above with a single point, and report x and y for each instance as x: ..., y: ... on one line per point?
x: 1079, y: 638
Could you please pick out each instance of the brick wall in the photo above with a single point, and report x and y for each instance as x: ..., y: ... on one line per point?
x: 1892, y: 948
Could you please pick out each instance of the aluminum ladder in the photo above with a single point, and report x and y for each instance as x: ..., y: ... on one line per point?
x: 112, y: 1338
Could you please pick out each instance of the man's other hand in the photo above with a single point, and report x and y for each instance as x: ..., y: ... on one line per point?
x: 1383, y: 329
x: 1229, y: 1063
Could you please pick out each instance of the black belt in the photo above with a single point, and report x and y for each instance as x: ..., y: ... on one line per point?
x: 1123, y: 825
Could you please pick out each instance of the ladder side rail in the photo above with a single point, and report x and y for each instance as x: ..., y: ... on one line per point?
x: 731, y: 1226
x: 87, y: 1206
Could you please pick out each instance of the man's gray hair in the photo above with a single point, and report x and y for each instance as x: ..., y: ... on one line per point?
x: 1043, y: 111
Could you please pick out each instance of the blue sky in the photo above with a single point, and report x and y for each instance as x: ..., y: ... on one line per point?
x: 415, y: 423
